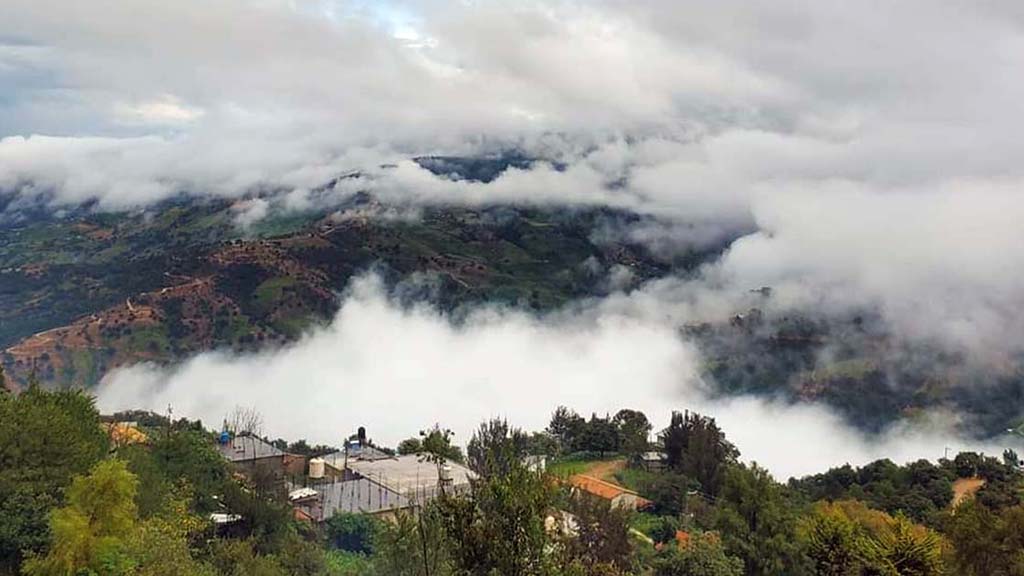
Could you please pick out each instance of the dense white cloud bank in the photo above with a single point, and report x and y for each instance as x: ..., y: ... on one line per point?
x: 397, y: 370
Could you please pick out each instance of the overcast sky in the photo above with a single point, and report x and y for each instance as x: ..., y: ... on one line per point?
x: 872, y: 147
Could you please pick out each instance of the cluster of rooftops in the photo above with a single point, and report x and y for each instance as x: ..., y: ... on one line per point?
x: 360, y: 479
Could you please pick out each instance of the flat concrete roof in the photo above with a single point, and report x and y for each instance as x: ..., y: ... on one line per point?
x: 407, y: 475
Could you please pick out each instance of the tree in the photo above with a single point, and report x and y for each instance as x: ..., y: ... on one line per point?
x: 264, y: 510
x: 1010, y: 458
x: 756, y: 522
x: 410, y: 446
x: 841, y: 538
x: 90, y: 532
x: 240, y: 558
x: 244, y: 420
x: 601, y: 544
x: 633, y: 429
x: 498, y: 527
x: 436, y: 446
x: 966, y: 464
x: 351, y: 532
x: 159, y: 545
x: 986, y: 542
x: 696, y: 446
x: 412, y: 544
x: 911, y: 550
x: 188, y: 455
x: 496, y: 448
x: 568, y: 427
x: 541, y: 444
x: 703, y: 555
x: 46, y: 438
x: 668, y: 491
x: 599, y: 435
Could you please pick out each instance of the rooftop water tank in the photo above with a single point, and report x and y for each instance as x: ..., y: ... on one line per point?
x: 225, y: 437
x: 317, y: 467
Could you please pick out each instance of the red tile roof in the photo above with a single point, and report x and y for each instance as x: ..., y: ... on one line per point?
x: 598, y: 487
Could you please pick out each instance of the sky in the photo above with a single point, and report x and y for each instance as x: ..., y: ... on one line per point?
x: 865, y: 153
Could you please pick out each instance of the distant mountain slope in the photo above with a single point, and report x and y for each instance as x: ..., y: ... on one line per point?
x: 87, y: 293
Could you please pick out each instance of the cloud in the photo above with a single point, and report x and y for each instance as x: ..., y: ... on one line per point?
x: 861, y: 155
x: 397, y: 369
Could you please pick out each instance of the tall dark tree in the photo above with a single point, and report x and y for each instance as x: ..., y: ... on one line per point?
x: 498, y: 527
x: 1010, y: 458
x: 601, y: 544
x: 696, y: 447
x: 568, y: 427
x: 757, y: 523
x: 633, y: 429
x: 599, y: 435
x: 496, y: 448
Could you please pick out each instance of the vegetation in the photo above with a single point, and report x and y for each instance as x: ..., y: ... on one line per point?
x: 74, y: 504
x: 244, y: 288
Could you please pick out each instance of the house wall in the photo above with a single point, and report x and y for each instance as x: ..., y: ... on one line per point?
x: 626, y: 500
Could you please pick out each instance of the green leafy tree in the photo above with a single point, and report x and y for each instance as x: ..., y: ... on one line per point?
x: 757, y: 523
x: 601, y: 544
x: 986, y: 542
x: 46, y: 438
x: 542, y: 444
x: 966, y: 464
x: 351, y: 532
x: 841, y: 539
x: 599, y: 435
x: 436, y: 446
x: 240, y: 558
x: 90, y: 532
x: 159, y: 545
x: 911, y: 550
x: 568, y: 427
x: 410, y: 446
x: 633, y: 429
x: 834, y: 545
x: 189, y: 455
x: 703, y: 555
x: 265, y: 513
x: 496, y: 448
x: 498, y: 527
x: 413, y: 544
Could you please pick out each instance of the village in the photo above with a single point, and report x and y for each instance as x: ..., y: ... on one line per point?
x: 364, y: 479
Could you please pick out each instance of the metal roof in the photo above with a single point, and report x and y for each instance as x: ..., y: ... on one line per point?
x: 409, y: 476
x: 242, y: 448
x: 360, y: 496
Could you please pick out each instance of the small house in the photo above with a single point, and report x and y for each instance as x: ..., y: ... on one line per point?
x: 617, y: 495
x: 249, y: 452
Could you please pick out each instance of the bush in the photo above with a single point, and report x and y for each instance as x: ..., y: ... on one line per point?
x: 351, y: 532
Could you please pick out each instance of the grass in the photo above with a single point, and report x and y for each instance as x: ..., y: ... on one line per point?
x: 342, y: 563
x: 572, y: 465
x: 293, y: 325
x: 150, y: 339
x: 634, y: 478
x: 568, y: 467
x: 270, y: 291
x: 645, y: 522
